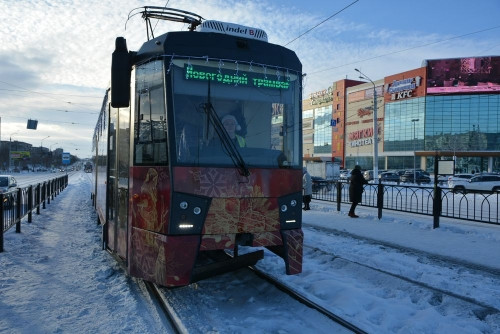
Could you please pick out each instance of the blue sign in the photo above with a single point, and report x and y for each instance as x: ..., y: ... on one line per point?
x: 334, y: 122
x: 66, y: 158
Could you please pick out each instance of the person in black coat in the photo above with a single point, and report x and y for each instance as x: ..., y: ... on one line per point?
x: 356, y: 189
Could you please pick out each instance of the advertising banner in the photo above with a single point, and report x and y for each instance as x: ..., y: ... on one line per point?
x: 463, y: 75
x: 17, y: 155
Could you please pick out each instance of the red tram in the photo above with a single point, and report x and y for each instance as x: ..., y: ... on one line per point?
x: 197, y: 151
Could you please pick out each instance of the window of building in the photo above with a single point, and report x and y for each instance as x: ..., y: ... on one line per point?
x: 400, y: 133
x: 322, y: 130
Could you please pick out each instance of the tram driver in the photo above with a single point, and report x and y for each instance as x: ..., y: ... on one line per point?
x: 231, y: 125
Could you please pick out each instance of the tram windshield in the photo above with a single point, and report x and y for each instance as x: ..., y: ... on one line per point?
x: 255, y: 106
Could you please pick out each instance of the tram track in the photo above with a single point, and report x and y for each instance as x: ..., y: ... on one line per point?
x: 304, y: 300
x: 409, y: 250
x: 487, y: 308
x: 167, y: 311
x: 423, y: 257
x: 160, y: 296
x: 177, y: 306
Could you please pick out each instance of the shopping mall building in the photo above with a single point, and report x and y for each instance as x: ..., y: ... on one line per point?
x: 448, y: 108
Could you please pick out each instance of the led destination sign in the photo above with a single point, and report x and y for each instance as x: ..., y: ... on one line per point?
x: 240, y: 78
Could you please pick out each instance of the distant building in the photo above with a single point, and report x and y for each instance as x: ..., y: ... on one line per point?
x: 449, y: 107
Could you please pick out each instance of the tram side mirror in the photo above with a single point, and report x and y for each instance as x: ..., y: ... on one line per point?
x: 120, y: 75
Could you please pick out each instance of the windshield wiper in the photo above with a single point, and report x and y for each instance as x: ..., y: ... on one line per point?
x: 229, y: 145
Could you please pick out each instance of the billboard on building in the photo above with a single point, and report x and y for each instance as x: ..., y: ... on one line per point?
x: 405, y: 85
x: 463, y: 75
x: 20, y: 155
x: 359, y: 130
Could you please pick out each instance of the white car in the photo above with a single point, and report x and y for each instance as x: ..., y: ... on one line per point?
x: 458, y: 180
x: 345, y: 175
x: 482, y: 182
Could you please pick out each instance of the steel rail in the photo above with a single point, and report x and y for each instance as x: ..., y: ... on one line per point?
x: 489, y: 309
x: 302, y: 299
x: 167, y: 309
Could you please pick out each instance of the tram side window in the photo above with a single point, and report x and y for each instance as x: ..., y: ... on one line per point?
x: 150, y: 133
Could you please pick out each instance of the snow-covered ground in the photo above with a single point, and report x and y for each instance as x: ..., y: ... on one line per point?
x: 54, y: 277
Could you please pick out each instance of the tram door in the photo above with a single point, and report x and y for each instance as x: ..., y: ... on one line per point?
x: 117, y: 181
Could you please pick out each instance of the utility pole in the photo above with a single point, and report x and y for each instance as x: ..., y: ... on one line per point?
x: 414, y: 153
x: 375, y: 126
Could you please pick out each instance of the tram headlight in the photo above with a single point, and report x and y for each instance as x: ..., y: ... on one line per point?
x: 187, y: 214
x: 290, y: 211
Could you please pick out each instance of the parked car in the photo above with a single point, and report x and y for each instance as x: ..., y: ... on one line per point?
x: 7, y: 183
x: 345, y: 175
x: 482, y: 182
x: 408, y: 177
x: 458, y: 179
x: 368, y: 175
x: 319, y: 183
x: 390, y: 177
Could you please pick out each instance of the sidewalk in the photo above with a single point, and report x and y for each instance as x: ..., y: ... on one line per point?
x: 55, y: 278
x: 473, y: 242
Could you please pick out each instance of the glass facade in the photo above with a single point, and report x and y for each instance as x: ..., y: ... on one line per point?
x: 458, y: 123
x: 323, y: 130
x: 462, y: 123
x: 452, y: 123
x: 402, y: 131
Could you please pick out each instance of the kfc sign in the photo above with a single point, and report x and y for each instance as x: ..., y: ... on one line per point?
x: 402, y: 89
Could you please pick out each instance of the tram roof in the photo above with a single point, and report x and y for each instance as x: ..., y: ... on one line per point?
x: 220, y: 46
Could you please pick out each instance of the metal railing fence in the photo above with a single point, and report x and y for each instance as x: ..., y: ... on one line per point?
x: 22, y: 202
x: 426, y: 200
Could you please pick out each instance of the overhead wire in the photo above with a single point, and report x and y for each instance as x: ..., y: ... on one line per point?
x: 159, y: 19
x: 50, y: 121
x: 317, y: 25
x: 48, y: 95
x: 403, y: 50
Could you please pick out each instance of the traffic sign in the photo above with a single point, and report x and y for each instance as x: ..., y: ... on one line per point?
x: 66, y: 158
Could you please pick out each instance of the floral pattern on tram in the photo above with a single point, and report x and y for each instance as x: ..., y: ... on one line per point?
x: 150, y: 197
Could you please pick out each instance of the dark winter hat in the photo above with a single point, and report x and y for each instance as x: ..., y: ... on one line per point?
x: 357, y: 167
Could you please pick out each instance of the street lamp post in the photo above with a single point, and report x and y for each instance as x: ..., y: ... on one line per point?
x: 41, y: 142
x: 375, y: 127
x: 414, y: 153
x: 10, y: 150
